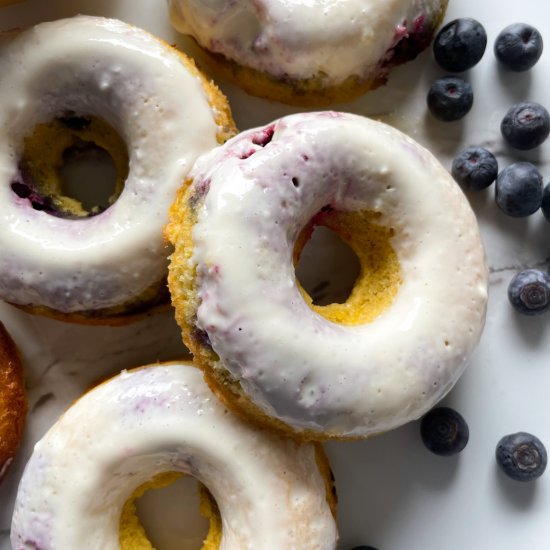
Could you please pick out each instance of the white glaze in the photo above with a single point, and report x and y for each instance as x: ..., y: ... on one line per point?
x: 299, y: 39
x: 100, y: 67
x: 268, y: 489
x: 304, y: 370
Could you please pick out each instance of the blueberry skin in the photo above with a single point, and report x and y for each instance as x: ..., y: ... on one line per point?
x: 521, y: 456
x: 444, y: 431
x: 545, y: 206
x: 518, y: 191
x: 529, y: 292
x: 460, y: 45
x: 518, y: 47
x: 526, y: 125
x: 474, y: 168
x: 450, y: 98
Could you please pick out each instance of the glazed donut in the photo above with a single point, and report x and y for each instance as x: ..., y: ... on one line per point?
x: 402, y: 338
x: 308, y: 53
x: 94, y: 81
x: 271, y: 492
x: 13, y: 401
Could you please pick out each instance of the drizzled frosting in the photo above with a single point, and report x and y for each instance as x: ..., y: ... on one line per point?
x: 262, y: 188
x: 107, y: 69
x: 300, y: 39
x: 269, y: 490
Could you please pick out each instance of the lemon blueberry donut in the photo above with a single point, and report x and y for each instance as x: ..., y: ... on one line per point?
x: 270, y: 492
x: 13, y: 401
x: 401, y: 339
x: 89, y: 81
x: 308, y: 52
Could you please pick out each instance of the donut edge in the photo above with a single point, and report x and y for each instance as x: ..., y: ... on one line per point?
x: 13, y: 401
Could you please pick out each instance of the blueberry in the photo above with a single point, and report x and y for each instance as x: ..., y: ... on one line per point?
x: 521, y: 456
x: 529, y: 292
x: 518, y: 191
x: 450, y: 98
x: 444, y: 431
x: 518, y: 47
x: 526, y: 125
x: 460, y: 44
x: 363, y: 548
x: 474, y: 168
x: 545, y: 206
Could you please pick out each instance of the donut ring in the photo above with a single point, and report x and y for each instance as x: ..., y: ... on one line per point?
x: 271, y: 492
x: 90, y: 79
x: 13, y: 401
x: 403, y: 337
x: 308, y: 53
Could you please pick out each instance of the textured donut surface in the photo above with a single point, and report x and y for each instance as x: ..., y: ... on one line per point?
x: 383, y: 357
x: 13, y: 401
x: 82, y: 69
x: 310, y: 50
x: 271, y: 492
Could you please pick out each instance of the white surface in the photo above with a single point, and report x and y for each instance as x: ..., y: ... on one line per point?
x: 393, y: 494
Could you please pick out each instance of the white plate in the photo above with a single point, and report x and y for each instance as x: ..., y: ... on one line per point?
x: 393, y: 493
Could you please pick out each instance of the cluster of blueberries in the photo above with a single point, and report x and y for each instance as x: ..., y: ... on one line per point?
x: 519, y: 192
x: 519, y: 189
x: 521, y: 456
x: 460, y: 45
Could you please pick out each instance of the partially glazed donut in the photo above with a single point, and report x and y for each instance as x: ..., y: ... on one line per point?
x: 309, y: 52
x: 402, y: 338
x: 89, y: 80
x: 13, y: 401
x: 271, y: 492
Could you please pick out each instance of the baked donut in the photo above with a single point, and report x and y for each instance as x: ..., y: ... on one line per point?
x: 13, y: 401
x: 402, y: 338
x: 90, y: 81
x: 308, y: 52
x: 271, y: 492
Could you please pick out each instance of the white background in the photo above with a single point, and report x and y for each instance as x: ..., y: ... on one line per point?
x: 393, y: 494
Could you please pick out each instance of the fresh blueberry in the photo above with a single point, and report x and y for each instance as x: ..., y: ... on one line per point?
x: 363, y: 548
x: 545, y: 206
x: 529, y: 292
x: 518, y: 191
x: 450, y: 98
x: 526, y: 125
x: 444, y: 431
x: 521, y: 456
x: 475, y: 168
x: 460, y: 44
x: 518, y: 47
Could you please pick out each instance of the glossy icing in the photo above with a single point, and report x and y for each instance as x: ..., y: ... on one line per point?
x: 164, y: 418
x: 262, y: 188
x: 107, y: 69
x: 301, y: 39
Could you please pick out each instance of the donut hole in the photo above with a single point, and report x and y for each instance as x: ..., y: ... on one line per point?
x: 328, y: 268
x: 352, y: 276
x: 88, y: 175
x: 172, y: 511
x: 73, y: 166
